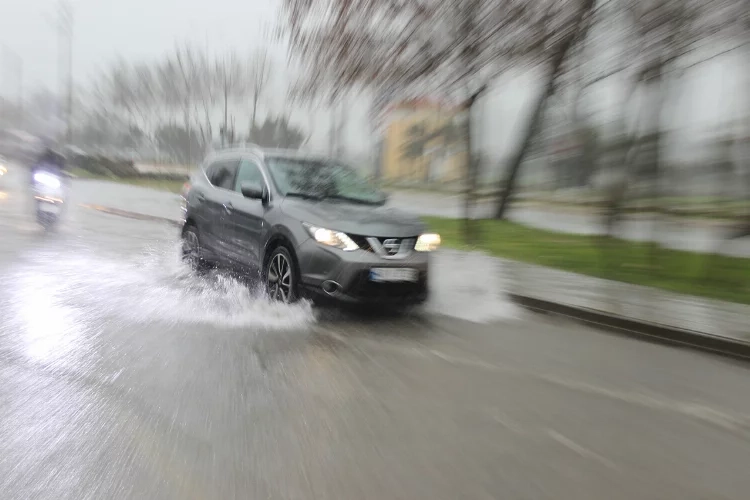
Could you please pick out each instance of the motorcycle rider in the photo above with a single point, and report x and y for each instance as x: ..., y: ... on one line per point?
x: 49, y: 161
x: 49, y: 194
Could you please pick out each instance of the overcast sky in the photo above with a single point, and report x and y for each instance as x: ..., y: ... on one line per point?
x: 143, y: 29
x: 135, y: 29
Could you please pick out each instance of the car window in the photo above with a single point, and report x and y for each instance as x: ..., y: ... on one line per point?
x: 321, y: 179
x: 221, y: 174
x: 248, y: 172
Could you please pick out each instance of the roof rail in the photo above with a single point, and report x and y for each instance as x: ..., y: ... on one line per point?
x: 238, y: 145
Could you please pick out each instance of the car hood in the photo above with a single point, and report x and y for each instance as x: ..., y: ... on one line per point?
x: 354, y: 218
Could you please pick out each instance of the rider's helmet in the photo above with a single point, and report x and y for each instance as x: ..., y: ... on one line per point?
x: 52, y: 153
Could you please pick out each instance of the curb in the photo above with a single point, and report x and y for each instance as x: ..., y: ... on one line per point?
x: 131, y: 215
x: 691, y: 339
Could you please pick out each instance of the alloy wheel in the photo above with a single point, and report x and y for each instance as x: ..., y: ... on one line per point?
x: 280, y: 279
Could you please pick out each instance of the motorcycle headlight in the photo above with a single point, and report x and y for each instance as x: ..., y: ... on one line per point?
x: 428, y: 242
x: 47, y: 180
x: 331, y: 238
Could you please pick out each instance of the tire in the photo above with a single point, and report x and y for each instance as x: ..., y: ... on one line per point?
x: 47, y: 221
x: 192, y: 254
x: 281, y: 276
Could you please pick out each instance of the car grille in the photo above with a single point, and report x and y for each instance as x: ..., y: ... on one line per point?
x: 363, y: 288
x: 390, y: 246
x: 362, y: 242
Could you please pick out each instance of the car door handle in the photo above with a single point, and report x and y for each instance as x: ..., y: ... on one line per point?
x: 200, y: 198
x: 228, y: 207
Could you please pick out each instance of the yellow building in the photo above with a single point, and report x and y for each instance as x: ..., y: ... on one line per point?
x: 423, y: 143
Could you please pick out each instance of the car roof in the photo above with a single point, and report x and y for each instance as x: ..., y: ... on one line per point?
x: 263, y: 153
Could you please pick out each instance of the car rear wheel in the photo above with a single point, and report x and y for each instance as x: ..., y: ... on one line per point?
x: 280, y: 276
x: 191, y: 249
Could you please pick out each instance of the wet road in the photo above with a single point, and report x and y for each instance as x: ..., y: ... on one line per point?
x: 124, y: 376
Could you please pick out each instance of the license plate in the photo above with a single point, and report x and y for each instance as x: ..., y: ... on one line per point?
x: 393, y: 274
x: 49, y: 208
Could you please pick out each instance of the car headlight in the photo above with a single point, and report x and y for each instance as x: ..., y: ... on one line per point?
x: 331, y: 238
x: 428, y: 242
x: 46, y: 179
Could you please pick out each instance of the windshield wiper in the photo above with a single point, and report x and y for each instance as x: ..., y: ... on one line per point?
x: 355, y: 200
x: 305, y: 196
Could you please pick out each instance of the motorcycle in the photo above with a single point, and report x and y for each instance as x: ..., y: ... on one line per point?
x: 49, y: 197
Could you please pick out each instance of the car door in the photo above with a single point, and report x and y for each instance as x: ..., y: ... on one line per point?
x: 246, y: 216
x: 221, y: 175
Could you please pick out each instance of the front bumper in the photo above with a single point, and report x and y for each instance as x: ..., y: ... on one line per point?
x: 351, y: 272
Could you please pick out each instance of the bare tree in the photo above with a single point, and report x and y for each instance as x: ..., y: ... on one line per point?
x: 260, y: 72
x: 310, y: 92
x: 118, y: 89
x: 187, y: 66
x: 741, y: 14
x: 656, y: 37
x: 230, y: 73
x: 454, y: 47
x: 208, y: 92
x: 555, y: 39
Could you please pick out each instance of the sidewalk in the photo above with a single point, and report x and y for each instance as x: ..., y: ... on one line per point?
x: 643, y: 311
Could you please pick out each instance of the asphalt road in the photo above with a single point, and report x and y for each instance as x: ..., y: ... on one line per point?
x: 123, y: 376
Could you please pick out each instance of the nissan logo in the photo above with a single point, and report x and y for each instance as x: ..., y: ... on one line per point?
x: 392, y: 246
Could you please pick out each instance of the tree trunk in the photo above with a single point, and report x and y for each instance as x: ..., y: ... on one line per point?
x: 188, y: 129
x: 226, y: 109
x: 508, y: 183
x: 255, y: 109
x: 471, y: 167
x: 332, y: 131
x: 340, y: 125
x: 650, y: 144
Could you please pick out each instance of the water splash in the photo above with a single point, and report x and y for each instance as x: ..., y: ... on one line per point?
x: 149, y: 288
x: 470, y: 286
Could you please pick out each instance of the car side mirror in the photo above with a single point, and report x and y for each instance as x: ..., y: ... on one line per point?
x: 253, y: 190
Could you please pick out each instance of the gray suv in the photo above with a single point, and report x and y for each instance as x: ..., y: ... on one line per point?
x: 307, y: 226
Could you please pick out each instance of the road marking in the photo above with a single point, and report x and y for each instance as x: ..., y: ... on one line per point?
x: 579, y: 449
x: 723, y: 419
x: 719, y: 418
x: 466, y: 361
x: 129, y: 215
x: 506, y: 422
x: 536, y: 433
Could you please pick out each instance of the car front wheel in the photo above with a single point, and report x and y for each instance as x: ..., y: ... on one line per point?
x: 280, y: 276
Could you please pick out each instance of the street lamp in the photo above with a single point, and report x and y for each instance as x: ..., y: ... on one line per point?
x: 64, y: 24
x: 11, y: 59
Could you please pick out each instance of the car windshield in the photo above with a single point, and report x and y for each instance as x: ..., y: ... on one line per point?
x: 320, y: 180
